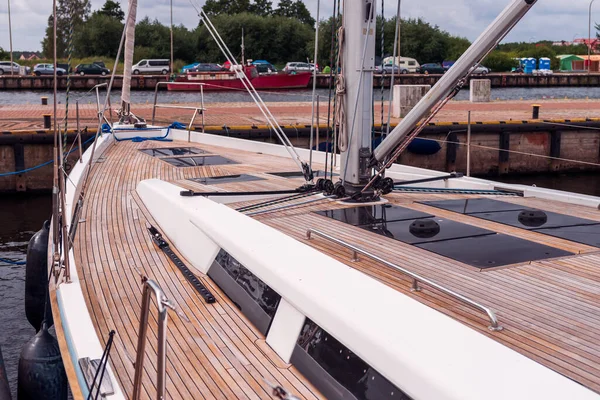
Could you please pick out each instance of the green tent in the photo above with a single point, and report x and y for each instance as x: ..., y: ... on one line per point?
x: 566, y: 61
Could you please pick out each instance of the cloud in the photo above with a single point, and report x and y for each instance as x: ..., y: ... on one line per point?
x: 549, y: 19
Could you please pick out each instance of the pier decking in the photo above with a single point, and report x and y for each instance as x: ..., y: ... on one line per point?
x: 549, y: 309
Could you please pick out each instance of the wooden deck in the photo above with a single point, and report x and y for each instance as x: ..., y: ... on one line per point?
x: 549, y: 309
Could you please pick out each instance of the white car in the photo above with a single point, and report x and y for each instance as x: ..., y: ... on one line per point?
x: 5, y: 68
x: 481, y: 70
x: 151, y: 67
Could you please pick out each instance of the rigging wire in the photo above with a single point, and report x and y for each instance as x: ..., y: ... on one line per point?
x: 314, y: 90
x: 331, y: 68
x: 382, y: 64
x: 333, y: 159
x: 305, y: 168
x: 396, y: 53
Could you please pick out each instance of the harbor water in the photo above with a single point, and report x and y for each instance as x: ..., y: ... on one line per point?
x: 140, y: 97
x: 23, y: 215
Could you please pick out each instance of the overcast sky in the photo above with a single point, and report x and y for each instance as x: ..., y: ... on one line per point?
x: 549, y: 19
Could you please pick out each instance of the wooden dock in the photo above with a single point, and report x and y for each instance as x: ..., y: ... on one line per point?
x: 549, y: 309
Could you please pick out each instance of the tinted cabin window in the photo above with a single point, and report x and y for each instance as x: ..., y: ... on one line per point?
x: 255, y: 299
x: 266, y: 297
x: 343, y: 366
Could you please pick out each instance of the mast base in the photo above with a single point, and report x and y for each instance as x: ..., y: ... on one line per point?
x: 355, y: 193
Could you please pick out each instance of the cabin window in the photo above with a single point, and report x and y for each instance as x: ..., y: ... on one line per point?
x: 347, y: 375
x: 412, y: 63
x: 257, y: 301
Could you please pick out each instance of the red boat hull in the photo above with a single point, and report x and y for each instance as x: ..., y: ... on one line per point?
x: 261, y: 82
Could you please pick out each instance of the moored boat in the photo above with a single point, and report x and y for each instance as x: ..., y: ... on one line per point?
x: 230, y: 80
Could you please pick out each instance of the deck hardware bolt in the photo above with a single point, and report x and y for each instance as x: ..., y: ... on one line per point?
x: 415, y: 286
x: 536, y: 111
x: 355, y: 257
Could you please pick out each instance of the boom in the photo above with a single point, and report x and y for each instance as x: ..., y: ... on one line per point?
x: 479, y: 49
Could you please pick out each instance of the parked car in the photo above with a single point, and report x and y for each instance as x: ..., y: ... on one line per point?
x: 432, y: 69
x: 387, y: 69
x: 481, y: 70
x: 298, y: 67
x: 48, y: 69
x: 206, y: 67
x: 5, y: 68
x: 151, y: 67
x: 264, y: 67
x: 91, y: 69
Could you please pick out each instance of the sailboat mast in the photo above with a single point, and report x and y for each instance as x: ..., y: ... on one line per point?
x: 358, y: 64
x: 128, y: 61
x: 243, y: 49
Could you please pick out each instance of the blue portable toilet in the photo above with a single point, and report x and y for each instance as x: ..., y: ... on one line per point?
x: 530, y: 65
x: 544, y: 63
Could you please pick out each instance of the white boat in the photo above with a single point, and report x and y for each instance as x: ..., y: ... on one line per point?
x: 275, y: 285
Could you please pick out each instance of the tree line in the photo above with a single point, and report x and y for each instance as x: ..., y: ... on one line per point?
x: 277, y: 34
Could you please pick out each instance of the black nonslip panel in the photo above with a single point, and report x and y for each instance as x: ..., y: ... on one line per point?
x: 172, y: 151
x: 493, y: 250
x: 435, y: 230
x: 215, y: 180
x: 586, y: 234
x: 198, y: 161
x: 299, y: 174
x: 471, y: 206
x: 372, y: 214
x: 336, y: 371
x: 533, y: 219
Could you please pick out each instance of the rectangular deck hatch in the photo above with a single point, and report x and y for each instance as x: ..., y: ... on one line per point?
x: 493, y: 250
x: 198, y: 161
x: 549, y: 223
x: 443, y: 230
x: 216, y: 180
x: 479, y: 247
x: 172, y: 151
x: 373, y: 214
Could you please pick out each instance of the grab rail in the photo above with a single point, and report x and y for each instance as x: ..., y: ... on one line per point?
x: 162, y: 302
x: 196, y: 109
x: 416, y: 278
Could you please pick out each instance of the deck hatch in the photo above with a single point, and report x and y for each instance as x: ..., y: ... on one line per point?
x: 255, y: 299
x: 404, y: 231
x: 198, y: 161
x: 473, y: 206
x: 215, y: 180
x: 373, y: 214
x: 172, y: 151
x: 491, y: 251
x: 479, y: 247
x: 586, y: 234
x: 574, y: 229
x: 336, y: 371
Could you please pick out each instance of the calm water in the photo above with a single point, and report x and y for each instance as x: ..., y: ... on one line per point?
x: 22, y: 216
x: 33, y: 97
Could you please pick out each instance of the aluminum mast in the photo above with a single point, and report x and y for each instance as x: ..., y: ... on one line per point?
x: 479, y: 49
x: 358, y: 64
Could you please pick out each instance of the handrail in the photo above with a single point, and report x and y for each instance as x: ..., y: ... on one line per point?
x: 416, y: 278
x: 162, y: 303
x: 196, y: 109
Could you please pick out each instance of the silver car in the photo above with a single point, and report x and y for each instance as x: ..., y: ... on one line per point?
x: 298, y: 67
x: 47, y: 69
x: 481, y: 70
x: 387, y: 69
x: 6, y: 67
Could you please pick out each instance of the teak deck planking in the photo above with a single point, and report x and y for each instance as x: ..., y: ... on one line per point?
x: 549, y: 309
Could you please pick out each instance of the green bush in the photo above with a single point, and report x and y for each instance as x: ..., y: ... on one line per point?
x: 499, y: 61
